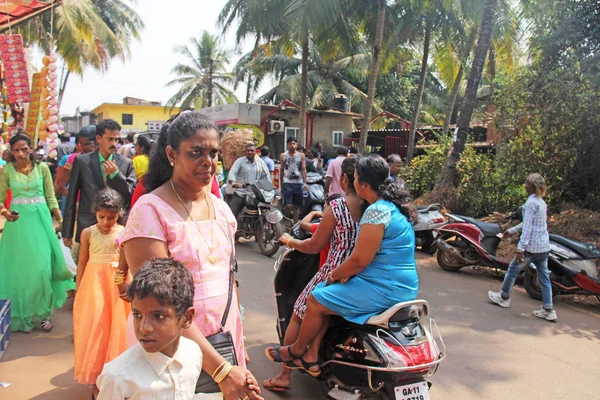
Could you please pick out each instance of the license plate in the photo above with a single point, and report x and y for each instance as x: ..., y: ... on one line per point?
x: 414, y: 391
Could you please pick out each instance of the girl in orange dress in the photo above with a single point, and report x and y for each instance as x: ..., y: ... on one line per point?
x: 99, y: 315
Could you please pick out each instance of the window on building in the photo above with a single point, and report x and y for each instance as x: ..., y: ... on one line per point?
x: 100, y: 116
x: 338, y: 138
x: 290, y: 132
x: 126, y: 119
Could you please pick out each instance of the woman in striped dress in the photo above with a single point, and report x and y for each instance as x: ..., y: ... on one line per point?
x: 339, y: 226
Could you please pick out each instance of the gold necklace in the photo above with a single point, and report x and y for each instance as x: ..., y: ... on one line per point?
x: 27, y: 179
x: 211, y: 257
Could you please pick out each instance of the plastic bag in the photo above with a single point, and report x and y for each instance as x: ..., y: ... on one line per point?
x: 71, y: 264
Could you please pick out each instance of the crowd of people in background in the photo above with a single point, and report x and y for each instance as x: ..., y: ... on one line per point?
x: 97, y: 176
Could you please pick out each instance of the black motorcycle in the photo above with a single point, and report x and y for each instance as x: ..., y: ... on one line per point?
x: 390, y: 357
x: 261, y: 217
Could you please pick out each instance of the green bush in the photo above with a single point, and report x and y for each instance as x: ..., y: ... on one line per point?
x: 425, y: 170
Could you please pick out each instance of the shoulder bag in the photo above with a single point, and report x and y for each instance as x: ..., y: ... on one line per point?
x: 222, y: 341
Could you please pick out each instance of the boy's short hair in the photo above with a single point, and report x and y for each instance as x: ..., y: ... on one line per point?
x: 167, y: 280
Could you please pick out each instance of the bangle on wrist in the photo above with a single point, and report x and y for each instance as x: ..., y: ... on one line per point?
x: 218, y: 369
x: 225, y: 370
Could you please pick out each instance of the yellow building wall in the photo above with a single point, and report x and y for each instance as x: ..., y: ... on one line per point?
x: 141, y: 114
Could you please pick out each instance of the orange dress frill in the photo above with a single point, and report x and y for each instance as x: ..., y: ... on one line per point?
x: 99, y: 314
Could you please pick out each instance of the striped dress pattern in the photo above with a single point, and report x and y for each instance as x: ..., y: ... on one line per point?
x: 342, y: 244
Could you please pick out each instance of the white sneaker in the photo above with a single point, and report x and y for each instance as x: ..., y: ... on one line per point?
x: 548, y: 316
x: 496, y: 297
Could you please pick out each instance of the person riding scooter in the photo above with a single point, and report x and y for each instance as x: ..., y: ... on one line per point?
x: 245, y: 171
x: 380, y: 272
x: 339, y: 226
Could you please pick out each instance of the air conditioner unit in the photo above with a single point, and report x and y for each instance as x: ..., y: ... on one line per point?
x: 276, y: 126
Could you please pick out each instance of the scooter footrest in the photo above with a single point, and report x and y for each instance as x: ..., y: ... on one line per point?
x: 340, y: 394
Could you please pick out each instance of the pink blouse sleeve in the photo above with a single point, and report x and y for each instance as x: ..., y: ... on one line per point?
x: 145, y: 221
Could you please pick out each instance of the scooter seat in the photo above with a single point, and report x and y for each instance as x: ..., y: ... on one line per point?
x: 426, y: 209
x: 399, y: 312
x: 487, y: 228
x: 583, y: 249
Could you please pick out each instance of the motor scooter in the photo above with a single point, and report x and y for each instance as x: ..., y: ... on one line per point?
x: 467, y: 241
x: 315, y: 200
x: 573, y: 269
x: 390, y: 357
x: 429, y: 219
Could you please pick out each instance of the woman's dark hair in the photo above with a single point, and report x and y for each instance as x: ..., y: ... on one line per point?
x: 168, y: 281
x: 374, y: 171
x: 88, y: 131
x: 25, y: 138
x: 108, y: 199
x: 182, y: 127
x: 348, y: 166
x: 144, y: 142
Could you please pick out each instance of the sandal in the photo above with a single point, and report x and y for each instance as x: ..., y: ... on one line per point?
x: 47, y: 325
x: 277, y: 357
x: 305, y: 367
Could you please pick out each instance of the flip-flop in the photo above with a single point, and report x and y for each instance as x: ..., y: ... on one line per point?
x: 47, y: 325
x: 277, y: 358
x: 275, y: 388
x: 305, y: 367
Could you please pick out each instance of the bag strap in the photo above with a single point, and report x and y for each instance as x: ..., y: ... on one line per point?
x: 231, y: 270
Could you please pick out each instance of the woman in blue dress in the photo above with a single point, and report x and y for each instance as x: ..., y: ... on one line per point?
x: 380, y: 272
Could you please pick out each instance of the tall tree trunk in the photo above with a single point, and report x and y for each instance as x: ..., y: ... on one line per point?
x: 452, y: 99
x: 420, y: 90
x: 248, y: 89
x: 303, y: 91
x: 450, y: 177
x: 456, y: 87
x: 249, y: 86
x: 492, y: 72
x: 209, y: 88
x: 63, y: 85
x: 373, y: 75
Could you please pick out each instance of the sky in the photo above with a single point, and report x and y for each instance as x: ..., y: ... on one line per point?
x: 145, y: 74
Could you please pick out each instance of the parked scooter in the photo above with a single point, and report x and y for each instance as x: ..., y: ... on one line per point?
x: 390, y: 357
x: 261, y: 217
x: 429, y: 219
x: 468, y: 241
x: 573, y: 269
x: 315, y: 200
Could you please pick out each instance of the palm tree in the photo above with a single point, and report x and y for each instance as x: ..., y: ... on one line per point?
x: 439, y: 22
x: 381, y: 8
x: 449, y: 177
x: 451, y: 59
x: 326, y: 77
x: 203, y: 82
x: 85, y: 33
x: 253, y: 18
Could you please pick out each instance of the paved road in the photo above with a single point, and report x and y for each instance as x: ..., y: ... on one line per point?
x: 494, y: 353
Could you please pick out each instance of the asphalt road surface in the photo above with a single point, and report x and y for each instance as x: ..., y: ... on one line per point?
x: 493, y: 353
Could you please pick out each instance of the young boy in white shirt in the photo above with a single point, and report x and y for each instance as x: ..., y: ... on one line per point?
x: 163, y: 364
